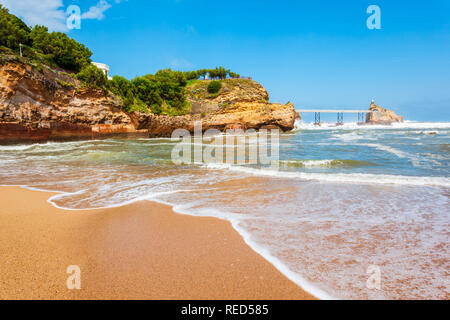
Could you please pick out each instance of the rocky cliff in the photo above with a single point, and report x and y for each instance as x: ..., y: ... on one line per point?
x: 241, y: 103
x: 378, y: 115
x: 37, y: 103
x: 242, y: 115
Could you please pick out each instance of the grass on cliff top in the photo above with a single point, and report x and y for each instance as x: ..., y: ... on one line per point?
x: 170, y: 111
x: 198, y: 89
x: 197, y: 84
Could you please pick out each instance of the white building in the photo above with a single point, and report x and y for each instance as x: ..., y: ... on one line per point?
x: 103, y: 67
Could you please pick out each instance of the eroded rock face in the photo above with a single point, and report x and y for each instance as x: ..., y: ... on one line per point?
x: 240, y: 104
x: 232, y: 92
x: 42, y: 104
x: 242, y: 115
x: 378, y: 115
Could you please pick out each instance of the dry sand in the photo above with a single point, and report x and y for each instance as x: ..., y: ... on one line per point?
x: 140, y: 251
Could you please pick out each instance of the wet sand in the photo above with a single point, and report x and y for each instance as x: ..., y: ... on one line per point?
x: 139, y: 251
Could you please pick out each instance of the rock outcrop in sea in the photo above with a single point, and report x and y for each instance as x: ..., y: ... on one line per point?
x: 378, y: 115
x: 38, y: 103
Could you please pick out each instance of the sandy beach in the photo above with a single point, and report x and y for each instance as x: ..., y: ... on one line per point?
x: 139, y: 251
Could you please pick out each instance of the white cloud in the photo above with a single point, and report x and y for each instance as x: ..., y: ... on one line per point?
x: 50, y: 13
x: 96, y: 12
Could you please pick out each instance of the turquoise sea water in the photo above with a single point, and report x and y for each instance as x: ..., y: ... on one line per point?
x: 343, y: 199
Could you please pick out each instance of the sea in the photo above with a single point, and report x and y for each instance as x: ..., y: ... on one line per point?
x: 350, y: 212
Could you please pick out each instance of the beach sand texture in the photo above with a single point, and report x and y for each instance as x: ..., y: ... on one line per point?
x: 139, y: 251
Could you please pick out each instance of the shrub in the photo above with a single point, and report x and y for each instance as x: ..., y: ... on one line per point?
x: 137, y: 106
x: 234, y: 75
x: 214, y: 87
x: 65, y: 84
x: 120, y: 86
x: 93, y: 77
x: 6, y: 50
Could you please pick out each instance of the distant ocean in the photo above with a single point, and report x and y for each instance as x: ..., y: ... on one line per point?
x: 345, y: 198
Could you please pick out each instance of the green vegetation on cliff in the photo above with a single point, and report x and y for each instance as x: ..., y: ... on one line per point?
x: 162, y: 93
x: 55, y: 48
x: 13, y: 31
x: 92, y: 77
x: 214, y: 87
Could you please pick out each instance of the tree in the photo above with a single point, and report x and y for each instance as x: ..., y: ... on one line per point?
x: 65, y: 52
x: 167, y: 75
x: 58, y: 47
x: 192, y: 75
x: 92, y: 77
x: 202, y: 73
x: 234, y: 75
x: 120, y: 86
x: 146, y: 89
x: 218, y: 73
x: 222, y: 72
x: 13, y: 31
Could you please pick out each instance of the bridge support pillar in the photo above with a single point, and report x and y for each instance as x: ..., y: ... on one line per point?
x: 340, y: 119
x: 317, y: 119
x: 361, y: 117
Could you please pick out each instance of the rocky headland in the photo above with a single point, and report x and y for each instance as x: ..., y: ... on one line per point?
x: 39, y: 103
x: 240, y: 104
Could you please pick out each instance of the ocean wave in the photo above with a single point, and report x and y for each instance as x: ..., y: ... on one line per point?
x: 149, y: 196
x: 354, y: 178
x: 427, y: 132
x: 324, y: 163
x: 392, y: 150
x: 415, y: 161
x: 16, y: 147
x: 351, y: 136
x: 57, y: 146
x: 300, y: 125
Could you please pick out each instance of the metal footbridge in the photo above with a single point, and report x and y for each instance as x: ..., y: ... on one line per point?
x: 340, y: 114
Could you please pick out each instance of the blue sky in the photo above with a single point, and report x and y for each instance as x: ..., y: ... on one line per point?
x: 313, y: 53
